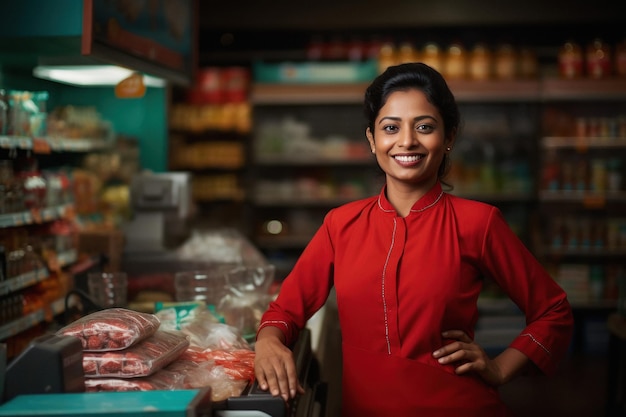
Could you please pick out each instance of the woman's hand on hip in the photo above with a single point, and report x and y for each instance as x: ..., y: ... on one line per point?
x: 468, y: 356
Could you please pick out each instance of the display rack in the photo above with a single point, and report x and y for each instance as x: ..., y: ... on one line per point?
x: 26, y: 219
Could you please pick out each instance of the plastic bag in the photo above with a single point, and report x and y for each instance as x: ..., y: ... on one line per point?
x: 160, y: 380
x: 141, y: 359
x: 203, y: 329
x: 228, y: 373
x: 111, y: 329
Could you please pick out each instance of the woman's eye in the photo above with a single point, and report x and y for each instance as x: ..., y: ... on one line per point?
x: 390, y: 128
x: 425, y: 128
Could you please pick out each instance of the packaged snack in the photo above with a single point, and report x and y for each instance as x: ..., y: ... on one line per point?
x: 142, y: 359
x: 111, y: 329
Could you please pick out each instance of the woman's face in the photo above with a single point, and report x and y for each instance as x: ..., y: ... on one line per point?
x: 408, y: 139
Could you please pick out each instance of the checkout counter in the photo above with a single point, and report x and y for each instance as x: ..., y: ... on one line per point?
x: 57, y: 389
x: 47, y: 378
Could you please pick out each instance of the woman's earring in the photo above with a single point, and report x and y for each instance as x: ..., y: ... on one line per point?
x: 448, y: 149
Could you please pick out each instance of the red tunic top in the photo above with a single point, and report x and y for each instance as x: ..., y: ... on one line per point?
x: 400, y: 282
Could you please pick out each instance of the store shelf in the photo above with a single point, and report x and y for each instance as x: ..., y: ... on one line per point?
x: 294, y: 94
x: 32, y: 319
x: 599, y: 252
x: 22, y: 281
x: 583, y: 89
x: 582, y: 144
x: 587, y: 198
x: 305, y: 161
x: 495, y: 90
x: 23, y: 218
x: 464, y: 90
x: 501, y: 197
x: 268, y: 201
x: 47, y: 145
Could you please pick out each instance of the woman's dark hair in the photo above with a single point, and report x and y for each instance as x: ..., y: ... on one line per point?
x: 415, y: 76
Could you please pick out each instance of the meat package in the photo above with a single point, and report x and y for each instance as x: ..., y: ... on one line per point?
x: 162, y: 379
x: 141, y: 359
x: 112, y: 329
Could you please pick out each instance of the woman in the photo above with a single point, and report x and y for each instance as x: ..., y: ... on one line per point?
x: 407, y: 267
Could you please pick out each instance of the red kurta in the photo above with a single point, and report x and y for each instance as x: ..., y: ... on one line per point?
x: 400, y: 282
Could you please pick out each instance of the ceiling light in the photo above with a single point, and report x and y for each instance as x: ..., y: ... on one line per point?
x: 91, y: 75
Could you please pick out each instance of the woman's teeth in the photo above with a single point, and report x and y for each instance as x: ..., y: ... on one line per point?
x: 407, y: 158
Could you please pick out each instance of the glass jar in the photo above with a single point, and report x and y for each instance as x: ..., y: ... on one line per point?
x: 505, y: 62
x: 480, y: 61
x: 528, y: 65
x: 407, y: 53
x: 598, y: 59
x: 431, y: 56
x: 570, y: 60
x: 455, y: 62
x: 386, y: 56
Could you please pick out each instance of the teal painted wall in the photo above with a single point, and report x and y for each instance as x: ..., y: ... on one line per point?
x: 144, y: 119
x: 34, y: 18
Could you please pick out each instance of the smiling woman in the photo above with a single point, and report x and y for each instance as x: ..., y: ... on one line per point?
x: 409, y: 143
x: 407, y: 267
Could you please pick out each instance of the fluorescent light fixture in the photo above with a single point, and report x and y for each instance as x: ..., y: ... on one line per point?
x: 91, y: 75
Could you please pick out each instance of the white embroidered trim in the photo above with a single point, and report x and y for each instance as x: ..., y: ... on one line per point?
x: 273, y: 322
x: 412, y: 211
x: 381, y: 207
x: 430, y: 205
x: 393, y: 240
x: 537, y: 342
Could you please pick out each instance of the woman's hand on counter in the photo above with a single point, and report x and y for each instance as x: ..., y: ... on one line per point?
x: 274, y: 365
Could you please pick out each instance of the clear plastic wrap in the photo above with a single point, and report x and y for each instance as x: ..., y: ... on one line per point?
x: 141, y: 359
x: 228, y: 373
x: 160, y: 380
x: 202, y: 328
x: 112, y: 329
x: 223, y: 386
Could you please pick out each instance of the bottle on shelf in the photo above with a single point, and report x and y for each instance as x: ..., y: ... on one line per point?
x: 528, y: 64
x: 598, y: 59
x: 407, y: 53
x: 455, y: 62
x: 431, y: 55
x: 387, y: 55
x: 480, y: 62
x: 570, y: 60
x: 505, y: 62
x: 620, y: 59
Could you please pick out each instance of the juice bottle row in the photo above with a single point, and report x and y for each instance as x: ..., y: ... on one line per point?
x: 587, y: 233
x: 597, y: 174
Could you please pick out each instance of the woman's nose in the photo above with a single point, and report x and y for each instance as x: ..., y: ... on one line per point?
x: 408, y: 138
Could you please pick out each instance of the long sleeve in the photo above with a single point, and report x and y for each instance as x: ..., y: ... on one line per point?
x: 305, y: 289
x: 549, y: 318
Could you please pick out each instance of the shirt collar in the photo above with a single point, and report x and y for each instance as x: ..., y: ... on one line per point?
x: 428, y: 200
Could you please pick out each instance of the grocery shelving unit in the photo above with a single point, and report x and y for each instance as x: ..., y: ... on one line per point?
x: 26, y: 219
